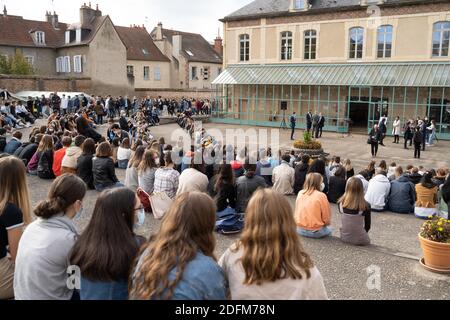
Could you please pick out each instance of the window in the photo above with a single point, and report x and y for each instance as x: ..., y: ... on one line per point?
x: 29, y: 60
x: 441, y: 39
x: 286, y: 45
x: 157, y: 73
x: 194, y: 73
x: 299, y: 4
x: 145, y: 51
x: 205, y: 73
x: 384, y: 42
x: 63, y: 64
x: 130, y: 70
x: 146, y: 73
x: 189, y: 53
x: 244, y: 47
x: 310, y: 44
x: 66, y: 64
x: 40, y: 37
x: 78, y: 64
x: 356, y: 43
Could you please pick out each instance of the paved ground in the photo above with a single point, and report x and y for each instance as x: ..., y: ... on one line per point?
x: 395, y: 250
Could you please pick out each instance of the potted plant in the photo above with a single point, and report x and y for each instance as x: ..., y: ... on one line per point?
x: 434, y: 239
x: 308, y: 146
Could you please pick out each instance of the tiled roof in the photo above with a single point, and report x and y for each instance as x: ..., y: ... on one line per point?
x: 93, y: 27
x: 279, y: 7
x: 16, y: 31
x: 140, y: 45
x: 194, y: 47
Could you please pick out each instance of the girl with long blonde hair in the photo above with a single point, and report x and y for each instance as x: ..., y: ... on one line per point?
x: 179, y: 262
x: 269, y: 262
x: 14, y: 214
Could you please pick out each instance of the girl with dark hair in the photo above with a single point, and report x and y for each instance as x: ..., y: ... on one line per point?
x: 84, y: 163
x: 179, y: 262
x: 337, y: 185
x: 371, y: 169
x: 222, y: 188
x: 426, y: 201
x: 318, y: 166
x: 45, y: 163
x: 106, y: 249
x: 84, y: 129
x: 103, y: 169
x: 43, y: 257
x: 193, y: 178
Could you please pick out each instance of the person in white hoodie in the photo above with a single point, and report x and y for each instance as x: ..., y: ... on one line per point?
x: 378, y: 191
x: 70, y: 161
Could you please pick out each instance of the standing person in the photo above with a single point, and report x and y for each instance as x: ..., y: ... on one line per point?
x: 432, y: 130
x: 178, y: 262
x: 383, y: 129
x: 418, y: 140
x: 424, y: 129
x: 309, y: 117
x: 43, y: 257
x: 396, y: 130
x: 14, y: 214
x: 291, y: 274
x: 146, y: 171
x: 315, y: 124
x: 293, y: 121
x: 374, y: 139
x: 103, y: 169
x: 283, y: 176
x: 84, y: 163
x: 247, y: 185
x: 321, y: 124
x: 64, y: 104
x: 106, y: 249
x: 426, y: 203
x: 312, y: 209
x: 355, y: 214
x: 408, y: 134
x: 222, y: 188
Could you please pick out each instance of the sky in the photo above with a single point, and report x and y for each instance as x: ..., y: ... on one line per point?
x: 197, y: 16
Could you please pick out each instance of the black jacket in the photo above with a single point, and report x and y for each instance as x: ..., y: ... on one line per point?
x: 84, y: 169
x: 45, y: 165
x: 103, y: 172
x: 28, y: 152
x: 301, y: 171
x: 446, y: 191
x: 336, y: 189
x: 226, y: 196
x: 2, y: 144
x: 375, y: 136
x: 415, y: 178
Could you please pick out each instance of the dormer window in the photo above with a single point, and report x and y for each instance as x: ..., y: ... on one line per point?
x: 40, y: 37
x: 300, y: 5
x: 189, y: 53
x: 145, y: 51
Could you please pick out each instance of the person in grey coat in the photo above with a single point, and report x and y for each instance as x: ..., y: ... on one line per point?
x: 42, y: 262
x: 402, y: 196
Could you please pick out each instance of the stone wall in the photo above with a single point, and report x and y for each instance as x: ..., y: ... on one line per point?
x: 15, y: 83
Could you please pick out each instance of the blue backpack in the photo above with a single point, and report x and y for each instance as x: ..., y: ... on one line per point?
x: 230, y: 224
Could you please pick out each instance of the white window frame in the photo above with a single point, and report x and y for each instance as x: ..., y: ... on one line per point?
x: 78, y: 64
x: 309, y: 36
x: 194, y: 76
x: 383, y: 31
x: 29, y: 60
x: 286, y: 38
x: 299, y: 5
x: 59, y: 64
x: 146, y: 73
x: 130, y: 68
x: 40, y: 37
x: 441, y: 30
x: 67, y: 64
x: 244, y: 45
x: 356, y: 44
x: 157, y: 74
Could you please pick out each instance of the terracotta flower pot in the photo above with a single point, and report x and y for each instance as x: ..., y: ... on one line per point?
x: 436, y: 254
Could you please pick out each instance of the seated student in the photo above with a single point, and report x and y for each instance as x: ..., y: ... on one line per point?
x: 319, y: 166
x: 14, y: 143
x: 371, y: 170
x: 222, y: 188
x: 84, y: 163
x: 378, y: 191
x: 167, y: 178
x: 124, y: 154
x: 45, y: 162
x: 146, y: 171
x: 14, y: 214
x: 115, y: 148
x: 27, y: 153
x: 70, y: 160
x: 383, y: 166
x: 283, y: 176
x: 103, y: 169
x: 445, y: 194
x: 312, y: 209
x: 335, y: 164
x: 350, y: 172
x: 301, y: 170
x: 193, y: 178
x: 178, y: 263
x: 355, y: 214
x: 43, y: 257
x: 415, y: 177
x: 131, y: 174
x: 263, y: 166
x: 238, y: 168
x: 58, y: 156
x: 2, y: 139
x: 106, y: 249
x: 439, y: 178
x: 402, y: 196
x: 290, y: 274
x: 391, y: 171
x: 247, y: 185
x: 337, y: 185
x: 426, y: 204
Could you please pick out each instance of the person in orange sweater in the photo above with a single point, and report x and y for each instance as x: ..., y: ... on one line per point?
x: 312, y: 209
x: 59, y: 155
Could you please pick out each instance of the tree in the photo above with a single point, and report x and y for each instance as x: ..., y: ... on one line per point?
x: 15, y: 65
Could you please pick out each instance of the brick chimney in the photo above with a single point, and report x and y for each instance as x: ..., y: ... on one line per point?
x: 218, y: 45
x: 88, y: 14
x: 159, y: 32
x: 55, y: 20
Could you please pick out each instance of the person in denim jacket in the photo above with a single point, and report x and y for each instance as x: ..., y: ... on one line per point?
x: 179, y: 262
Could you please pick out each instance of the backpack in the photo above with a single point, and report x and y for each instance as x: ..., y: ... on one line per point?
x: 230, y: 224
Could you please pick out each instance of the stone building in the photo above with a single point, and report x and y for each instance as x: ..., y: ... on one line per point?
x: 351, y: 60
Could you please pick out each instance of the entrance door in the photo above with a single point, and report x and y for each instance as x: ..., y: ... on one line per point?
x: 377, y: 109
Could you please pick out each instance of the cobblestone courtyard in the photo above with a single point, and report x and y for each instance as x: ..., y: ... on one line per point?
x: 395, y: 248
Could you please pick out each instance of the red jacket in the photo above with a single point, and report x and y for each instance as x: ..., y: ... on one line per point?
x: 57, y: 161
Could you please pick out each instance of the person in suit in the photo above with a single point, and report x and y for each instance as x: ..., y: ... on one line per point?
x: 315, y: 124
x: 424, y: 129
x: 293, y: 121
x: 321, y: 124
x: 309, y: 121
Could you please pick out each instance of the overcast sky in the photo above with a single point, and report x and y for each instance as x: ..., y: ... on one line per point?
x: 198, y: 16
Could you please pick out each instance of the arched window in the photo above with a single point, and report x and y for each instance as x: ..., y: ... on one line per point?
x: 356, y: 37
x: 310, y: 44
x: 244, y: 47
x: 286, y: 45
x: 384, y: 41
x: 441, y: 39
